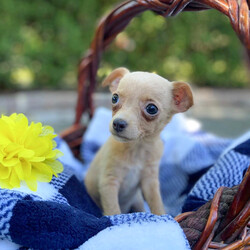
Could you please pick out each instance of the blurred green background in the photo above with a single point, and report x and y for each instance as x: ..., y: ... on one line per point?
x: 43, y: 41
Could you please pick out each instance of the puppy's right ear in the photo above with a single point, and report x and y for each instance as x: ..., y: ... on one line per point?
x: 114, y: 78
x: 182, y: 97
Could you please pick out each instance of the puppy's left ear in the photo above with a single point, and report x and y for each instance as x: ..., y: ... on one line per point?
x: 114, y: 78
x: 182, y: 97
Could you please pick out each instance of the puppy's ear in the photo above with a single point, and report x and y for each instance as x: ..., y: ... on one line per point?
x: 114, y: 78
x: 182, y: 97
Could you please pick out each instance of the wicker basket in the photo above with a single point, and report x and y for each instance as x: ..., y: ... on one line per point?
x: 221, y: 228
x: 222, y: 223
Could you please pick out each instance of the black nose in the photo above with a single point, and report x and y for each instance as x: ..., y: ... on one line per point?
x: 119, y: 125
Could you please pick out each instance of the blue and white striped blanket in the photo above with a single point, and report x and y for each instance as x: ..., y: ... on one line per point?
x: 61, y: 215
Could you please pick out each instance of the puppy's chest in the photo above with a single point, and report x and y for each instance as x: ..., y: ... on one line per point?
x: 132, y: 176
x: 133, y: 166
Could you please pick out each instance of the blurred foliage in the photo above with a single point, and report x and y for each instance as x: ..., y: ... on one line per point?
x: 42, y: 42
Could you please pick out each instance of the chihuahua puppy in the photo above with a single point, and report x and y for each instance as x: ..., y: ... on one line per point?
x: 126, y: 168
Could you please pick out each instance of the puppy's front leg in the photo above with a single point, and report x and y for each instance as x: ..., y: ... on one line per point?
x: 109, y: 190
x: 151, y: 191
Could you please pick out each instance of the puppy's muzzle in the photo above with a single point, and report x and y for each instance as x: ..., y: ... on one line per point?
x: 119, y: 125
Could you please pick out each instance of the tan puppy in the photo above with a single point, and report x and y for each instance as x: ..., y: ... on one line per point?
x: 126, y: 168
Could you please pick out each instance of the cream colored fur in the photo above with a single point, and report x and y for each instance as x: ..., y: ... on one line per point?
x: 125, y: 170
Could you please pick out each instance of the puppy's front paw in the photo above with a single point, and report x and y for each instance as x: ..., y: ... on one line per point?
x: 112, y: 212
x: 158, y: 211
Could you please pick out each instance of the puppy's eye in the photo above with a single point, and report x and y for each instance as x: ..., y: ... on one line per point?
x: 151, y: 109
x: 115, y: 98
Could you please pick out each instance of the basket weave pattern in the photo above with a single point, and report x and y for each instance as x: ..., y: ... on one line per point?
x: 225, y: 219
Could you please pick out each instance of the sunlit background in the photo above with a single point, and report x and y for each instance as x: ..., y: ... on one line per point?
x: 42, y: 43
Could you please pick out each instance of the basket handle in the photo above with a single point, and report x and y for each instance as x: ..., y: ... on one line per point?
x: 111, y: 25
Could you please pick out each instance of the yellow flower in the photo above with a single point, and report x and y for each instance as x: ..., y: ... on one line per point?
x: 26, y: 152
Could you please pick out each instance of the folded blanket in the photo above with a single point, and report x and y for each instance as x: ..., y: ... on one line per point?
x: 228, y: 171
x: 61, y: 215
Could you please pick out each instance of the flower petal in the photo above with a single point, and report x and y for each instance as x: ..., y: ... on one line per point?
x: 37, y: 159
x: 43, y: 172
x: 5, y: 184
x: 56, y: 166
x: 32, y: 184
x: 11, y: 150
x: 21, y: 126
x: 6, y: 134
x: 9, y: 162
x: 48, y: 131
x: 26, y: 153
x: 14, y: 180
x: 26, y: 168
x: 19, y: 171
x: 31, y: 181
x: 4, y: 172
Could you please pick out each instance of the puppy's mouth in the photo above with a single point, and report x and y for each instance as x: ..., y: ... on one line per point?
x: 120, y: 137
